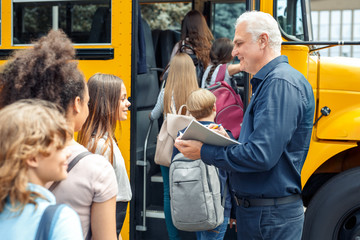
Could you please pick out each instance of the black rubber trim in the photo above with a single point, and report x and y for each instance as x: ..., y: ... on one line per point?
x: 81, y: 54
x: 95, y: 54
x: 5, y: 53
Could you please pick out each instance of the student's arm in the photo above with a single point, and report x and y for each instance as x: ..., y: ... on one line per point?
x: 159, y: 107
x: 175, y: 50
x: 103, y: 223
x: 103, y: 208
x: 233, y: 69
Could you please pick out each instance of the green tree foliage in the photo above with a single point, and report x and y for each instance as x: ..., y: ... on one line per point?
x: 165, y: 15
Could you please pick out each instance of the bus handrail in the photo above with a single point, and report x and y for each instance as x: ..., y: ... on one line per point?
x: 144, y: 164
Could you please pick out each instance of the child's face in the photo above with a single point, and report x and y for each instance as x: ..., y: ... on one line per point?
x: 83, y: 110
x: 54, y: 166
x: 124, y: 104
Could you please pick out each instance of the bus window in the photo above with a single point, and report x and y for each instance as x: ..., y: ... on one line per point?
x: 290, y: 18
x: 224, y: 16
x: 83, y: 22
x: 0, y: 22
x: 165, y: 16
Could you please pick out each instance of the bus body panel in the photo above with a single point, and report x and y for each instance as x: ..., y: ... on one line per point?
x: 319, y: 153
x: 298, y: 58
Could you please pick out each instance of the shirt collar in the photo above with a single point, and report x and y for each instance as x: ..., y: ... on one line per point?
x: 264, y: 71
x: 43, y: 191
x: 206, y: 122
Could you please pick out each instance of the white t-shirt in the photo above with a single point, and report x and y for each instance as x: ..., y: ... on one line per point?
x: 92, y: 179
x: 124, y: 188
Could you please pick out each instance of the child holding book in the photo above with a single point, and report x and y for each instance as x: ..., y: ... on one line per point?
x: 201, y: 105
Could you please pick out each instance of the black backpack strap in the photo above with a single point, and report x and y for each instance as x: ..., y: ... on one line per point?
x: 77, y: 159
x: 44, y: 228
x: 185, y: 45
x: 70, y: 166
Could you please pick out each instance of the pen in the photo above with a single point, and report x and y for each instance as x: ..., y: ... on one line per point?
x: 217, y: 126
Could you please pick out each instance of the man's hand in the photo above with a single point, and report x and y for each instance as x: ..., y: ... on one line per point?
x: 233, y: 223
x: 190, y: 148
x: 219, y: 130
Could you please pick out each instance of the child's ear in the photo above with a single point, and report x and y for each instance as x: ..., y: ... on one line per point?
x: 214, y: 108
x: 77, y: 104
x: 32, y: 162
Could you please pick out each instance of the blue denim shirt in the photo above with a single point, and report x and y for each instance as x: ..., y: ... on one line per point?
x: 275, y: 135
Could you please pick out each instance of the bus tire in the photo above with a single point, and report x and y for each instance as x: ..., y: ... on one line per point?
x: 334, y: 211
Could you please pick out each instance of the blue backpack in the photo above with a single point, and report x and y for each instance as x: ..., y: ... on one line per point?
x: 46, y: 222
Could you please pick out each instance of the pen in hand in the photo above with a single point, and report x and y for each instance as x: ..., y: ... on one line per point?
x: 216, y: 126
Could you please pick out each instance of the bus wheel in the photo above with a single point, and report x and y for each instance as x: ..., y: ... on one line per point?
x: 334, y: 211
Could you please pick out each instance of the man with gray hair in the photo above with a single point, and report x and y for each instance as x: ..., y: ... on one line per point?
x: 265, y: 168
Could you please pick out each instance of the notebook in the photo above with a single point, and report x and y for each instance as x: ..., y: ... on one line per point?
x: 199, y: 132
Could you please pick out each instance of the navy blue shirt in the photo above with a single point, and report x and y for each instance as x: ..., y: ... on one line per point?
x: 275, y: 135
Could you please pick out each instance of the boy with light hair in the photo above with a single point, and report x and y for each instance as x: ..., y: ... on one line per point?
x: 201, y: 105
x: 33, y: 137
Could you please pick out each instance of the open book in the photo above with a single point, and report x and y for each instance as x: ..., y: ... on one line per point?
x: 197, y: 131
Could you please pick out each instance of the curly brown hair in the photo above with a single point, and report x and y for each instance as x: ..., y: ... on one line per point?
x: 46, y: 71
x: 195, y: 30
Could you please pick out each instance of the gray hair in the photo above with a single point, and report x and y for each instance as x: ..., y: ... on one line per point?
x: 259, y: 23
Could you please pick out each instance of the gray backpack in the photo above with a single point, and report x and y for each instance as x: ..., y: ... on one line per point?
x: 195, y: 195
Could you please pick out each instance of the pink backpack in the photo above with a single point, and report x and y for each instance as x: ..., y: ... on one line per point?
x: 229, y: 106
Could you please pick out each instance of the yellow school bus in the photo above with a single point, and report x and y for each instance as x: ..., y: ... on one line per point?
x: 122, y: 38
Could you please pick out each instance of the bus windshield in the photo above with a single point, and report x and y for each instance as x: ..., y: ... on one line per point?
x: 290, y: 18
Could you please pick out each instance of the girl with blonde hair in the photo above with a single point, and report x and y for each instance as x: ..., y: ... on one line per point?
x: 180, y: 82
x: 32, y: 153
x: 108, y: 104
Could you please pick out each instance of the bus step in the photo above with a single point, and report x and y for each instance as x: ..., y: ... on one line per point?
x: 157, y: 178
x: 155, y: 212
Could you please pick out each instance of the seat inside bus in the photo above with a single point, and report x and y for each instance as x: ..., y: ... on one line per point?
x: 147, y: 89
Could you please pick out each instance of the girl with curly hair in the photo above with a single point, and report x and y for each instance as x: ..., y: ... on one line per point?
x: 108, y: 104
x: 48, y: 71
x: 32, y: 153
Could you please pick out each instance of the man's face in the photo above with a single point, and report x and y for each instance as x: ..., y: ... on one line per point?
x: 248, y: 51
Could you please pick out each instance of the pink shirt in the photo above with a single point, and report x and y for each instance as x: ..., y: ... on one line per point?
x: 91, y: 180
